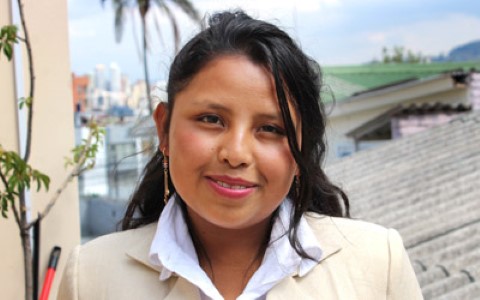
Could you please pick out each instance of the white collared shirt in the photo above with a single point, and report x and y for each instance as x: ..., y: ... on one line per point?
x: 173, y: 250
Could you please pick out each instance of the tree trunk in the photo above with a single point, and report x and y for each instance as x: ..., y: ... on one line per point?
x: 27, y: 260
x: 145, y: 65
x: 27, y: 247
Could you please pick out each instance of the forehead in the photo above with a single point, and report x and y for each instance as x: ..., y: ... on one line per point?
x: 233, y: 74
x: 236, y: 83
x: 231, y: 77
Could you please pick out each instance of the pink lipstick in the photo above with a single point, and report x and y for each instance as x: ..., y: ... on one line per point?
x: 231, y: 187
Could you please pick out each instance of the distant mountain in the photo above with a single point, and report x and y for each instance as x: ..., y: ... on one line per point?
x: 467, y: 52
x: 470, y: 51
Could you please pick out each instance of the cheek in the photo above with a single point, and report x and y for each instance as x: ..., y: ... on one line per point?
x: 188, y: 149
x: 278, y: 162
x: 185, y: 141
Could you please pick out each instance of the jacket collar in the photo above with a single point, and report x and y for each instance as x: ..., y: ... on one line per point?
x: 324, y: 228
x: 181, y: 289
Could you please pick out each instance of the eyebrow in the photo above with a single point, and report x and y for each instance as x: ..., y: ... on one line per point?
x: 209, y: 104
x: 271, y: 117
x: 216, y: 106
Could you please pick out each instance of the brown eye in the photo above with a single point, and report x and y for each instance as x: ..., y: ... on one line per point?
x: 272, y: 129
x: 213, y: 119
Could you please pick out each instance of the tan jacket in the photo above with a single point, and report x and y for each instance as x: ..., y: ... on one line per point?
x: 360, y: 261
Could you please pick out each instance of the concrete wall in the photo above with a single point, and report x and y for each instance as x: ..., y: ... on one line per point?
x: 100, y: 216
x: 11, y: 271
x: 53, y: 137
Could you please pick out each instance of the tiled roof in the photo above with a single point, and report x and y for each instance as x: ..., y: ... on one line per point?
x: 428, y: 187
x: 346, y: 81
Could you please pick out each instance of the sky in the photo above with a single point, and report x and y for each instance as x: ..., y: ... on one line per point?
x: 334, y: 32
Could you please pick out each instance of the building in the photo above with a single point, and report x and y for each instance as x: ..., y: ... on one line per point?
x: 425, y: 185
x: 376, y: 103
x: 115, y: 78
x: 105, y: 190
x: 80, y: 86
x: 107, y: 90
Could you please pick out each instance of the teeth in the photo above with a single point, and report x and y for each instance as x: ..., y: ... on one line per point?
x: 228, y: 186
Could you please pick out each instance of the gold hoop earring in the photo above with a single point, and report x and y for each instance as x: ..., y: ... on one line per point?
x: 166, y: 192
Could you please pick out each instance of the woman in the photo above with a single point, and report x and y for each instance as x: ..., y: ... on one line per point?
x: 235, y: 205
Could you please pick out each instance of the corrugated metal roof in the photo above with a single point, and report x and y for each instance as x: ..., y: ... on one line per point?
x: 346, y: 81
x: 428, y: 187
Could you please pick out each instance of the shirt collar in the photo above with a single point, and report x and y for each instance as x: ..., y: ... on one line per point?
x: 173, y: 251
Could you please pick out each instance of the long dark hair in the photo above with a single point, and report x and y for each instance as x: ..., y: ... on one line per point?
x: 297, y: 78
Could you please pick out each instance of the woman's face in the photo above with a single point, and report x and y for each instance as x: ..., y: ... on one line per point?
x: 228, y: 152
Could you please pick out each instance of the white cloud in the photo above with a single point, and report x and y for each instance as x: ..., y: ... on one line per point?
x: 377, y: 37
x: 430, y: 37
x: 269, y: 9
x: 323, y: 27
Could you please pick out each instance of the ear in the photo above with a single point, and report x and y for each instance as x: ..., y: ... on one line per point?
x: 160, y: 118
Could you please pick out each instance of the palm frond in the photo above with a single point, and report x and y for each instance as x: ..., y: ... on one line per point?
x: 186, y: 6
x: 173, y: 22
x: 119, y: 7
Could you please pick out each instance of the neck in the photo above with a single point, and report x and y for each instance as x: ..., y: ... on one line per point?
x: 228, y: 256
x: 221, y: 243
x: 235, y: 251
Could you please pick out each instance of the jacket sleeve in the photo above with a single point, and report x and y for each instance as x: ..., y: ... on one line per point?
x: 402, y: 282
x: 69, y: 285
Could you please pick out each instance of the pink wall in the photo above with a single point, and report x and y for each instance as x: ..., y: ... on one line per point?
x: 474, y: 93
x: 406, y: 125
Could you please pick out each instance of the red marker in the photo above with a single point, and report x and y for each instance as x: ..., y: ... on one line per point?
x: 52, y: 267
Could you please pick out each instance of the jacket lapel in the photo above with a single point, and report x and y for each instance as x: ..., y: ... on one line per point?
x: 324, y: 228
x: 327, y: 233
x: 328, y: 237
x: 180, y: 288
x: 287, y: 289
x: 140, y: 249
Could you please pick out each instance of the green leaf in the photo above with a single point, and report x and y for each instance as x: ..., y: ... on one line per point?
x: 4, y: 209
x: 46, y: 181
x: 21, y: 102
x: 39, y: 184
x: 12, y: 183
x: 25, y: 102
x: 7, y: 50
x: 4, y: 205
x: 8, y: 37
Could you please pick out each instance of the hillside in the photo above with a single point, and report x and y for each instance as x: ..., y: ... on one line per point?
x: 467, y: 52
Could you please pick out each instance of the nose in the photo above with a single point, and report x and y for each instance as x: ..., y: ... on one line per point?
x: 236, y: 148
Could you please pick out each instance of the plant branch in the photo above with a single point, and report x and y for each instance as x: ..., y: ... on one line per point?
x: 17, y: 216
x: 14, y: 208
x: 23, y: 206
x: 32, y: 81
x: 77, y: 169
x: 4, y: 180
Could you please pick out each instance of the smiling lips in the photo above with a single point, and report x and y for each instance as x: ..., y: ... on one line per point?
x: 231, y: 187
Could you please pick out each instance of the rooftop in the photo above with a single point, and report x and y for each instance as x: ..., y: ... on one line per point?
x: 346, y: 81
x: 427, y: 187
